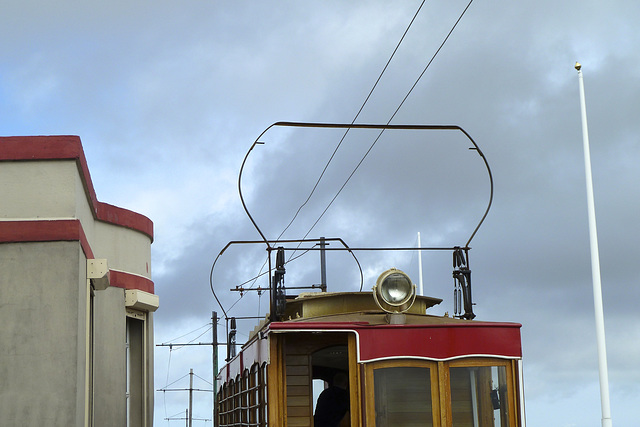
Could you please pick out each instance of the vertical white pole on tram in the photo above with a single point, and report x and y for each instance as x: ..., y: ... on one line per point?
x: 420, y: 266
x: 595, y: 265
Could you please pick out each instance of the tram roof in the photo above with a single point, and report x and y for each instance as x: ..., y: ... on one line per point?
x: 318, y: 304
x: 418, y: 335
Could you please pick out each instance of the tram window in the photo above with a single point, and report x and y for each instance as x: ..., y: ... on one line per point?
x: 402, y: 397
x: 237, y: 404
x: 244, y: 398
x: 262, y: 380
x: 254, y: 395
x: 318, y: 387
x: 243, y: 401
x: 479, y: 396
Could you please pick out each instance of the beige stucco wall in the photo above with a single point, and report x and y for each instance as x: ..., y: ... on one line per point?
x: 54, y: 189
x: 125, y: 249
x: 43, y: 304
x: 42, y: 313
x: 110, y: 358
x: 41, y: 189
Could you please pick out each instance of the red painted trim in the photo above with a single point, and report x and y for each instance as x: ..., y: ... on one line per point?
x: 439, y: 343
x: 425, y: 341
x: 67, y: 230
x: 40, y: 147
x: 69, y: 147
x: 45, y: 231
x: 125, y: 218
x: 123, y: 280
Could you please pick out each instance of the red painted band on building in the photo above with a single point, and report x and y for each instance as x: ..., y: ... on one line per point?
x: 45, y: 231
x: 66, y: 230
x: 69, y: 147
x: 123, y: 280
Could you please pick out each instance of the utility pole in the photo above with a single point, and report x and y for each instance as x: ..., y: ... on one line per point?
x: 214, y: 341
x: 214, y: 344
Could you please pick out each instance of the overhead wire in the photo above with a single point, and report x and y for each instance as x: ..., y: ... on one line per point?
x: 354, y: 120
x: 347, y: 131
x: 324, y: 170
x: 164, y: 393
x: 390, y: 119
x: 179, y: 347
x: 206, y: 381
x: 260, y: 274
x: 181, y: 378
x: 189, y: 333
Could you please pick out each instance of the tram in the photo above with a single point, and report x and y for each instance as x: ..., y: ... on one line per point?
x: 389, y: 361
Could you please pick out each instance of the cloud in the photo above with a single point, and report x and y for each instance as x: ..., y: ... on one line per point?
x: 168, y: 97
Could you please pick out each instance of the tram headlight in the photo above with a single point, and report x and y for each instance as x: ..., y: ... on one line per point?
x: 394, y: 291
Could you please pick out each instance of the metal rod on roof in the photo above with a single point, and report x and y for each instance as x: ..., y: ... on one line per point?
x: 323, y: 264
x: 190, y: 397
x: 420, y: 267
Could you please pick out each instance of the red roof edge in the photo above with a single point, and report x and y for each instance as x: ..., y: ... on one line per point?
x: 69, y: 147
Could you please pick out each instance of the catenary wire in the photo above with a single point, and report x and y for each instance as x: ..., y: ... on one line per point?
x: 189, y: 333
x: 390, y: 119
x: 346, y: 132
x: 353, y: 121
x: 374, y: 142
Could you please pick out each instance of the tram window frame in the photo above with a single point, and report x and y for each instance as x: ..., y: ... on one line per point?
x: 244, y: 398
x: 441, y: 403
x: 226, y: 411
x: 402, y: 363
x: 243, y: 401
x: 264, y: 395
x: 254, y: 395
x: 508, y: 419
x: 237, y: 402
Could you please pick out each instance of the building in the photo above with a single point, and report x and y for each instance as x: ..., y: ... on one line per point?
x: 76, y: 296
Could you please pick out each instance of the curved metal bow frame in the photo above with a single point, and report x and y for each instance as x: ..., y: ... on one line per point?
x: 463, y: 257
x: 366, y: 126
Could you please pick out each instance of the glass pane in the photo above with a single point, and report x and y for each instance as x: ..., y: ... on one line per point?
x: 479, y: 396
x: 402, y: 397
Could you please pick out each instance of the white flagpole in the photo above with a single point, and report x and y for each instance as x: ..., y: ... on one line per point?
x: 595, y: 265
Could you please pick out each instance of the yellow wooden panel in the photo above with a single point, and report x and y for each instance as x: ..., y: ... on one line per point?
x: 354, y: 384
x: 299, y: 422
x: 297, y: 359
x: 297, y: 390
x: 299, y: 411
x: 298, y: 380
x: 297, y: 401
x: 298, y: 369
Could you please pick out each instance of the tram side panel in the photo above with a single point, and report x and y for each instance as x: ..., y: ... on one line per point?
x: 469, y: 390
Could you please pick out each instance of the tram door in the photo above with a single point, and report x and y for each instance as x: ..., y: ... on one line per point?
x: 314, y: 362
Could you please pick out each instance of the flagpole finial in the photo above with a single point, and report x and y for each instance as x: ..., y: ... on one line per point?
x: 578, y: 66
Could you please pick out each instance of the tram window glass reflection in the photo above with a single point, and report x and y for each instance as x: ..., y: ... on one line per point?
x: 402, y: 397
x: 479, y: 396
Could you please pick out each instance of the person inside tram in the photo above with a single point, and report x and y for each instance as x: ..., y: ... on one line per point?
x: 333, y: 403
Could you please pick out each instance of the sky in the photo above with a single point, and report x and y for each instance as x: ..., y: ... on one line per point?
x: 167, y: 98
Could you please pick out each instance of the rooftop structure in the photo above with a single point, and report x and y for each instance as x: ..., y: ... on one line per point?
x: 76, y: 293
